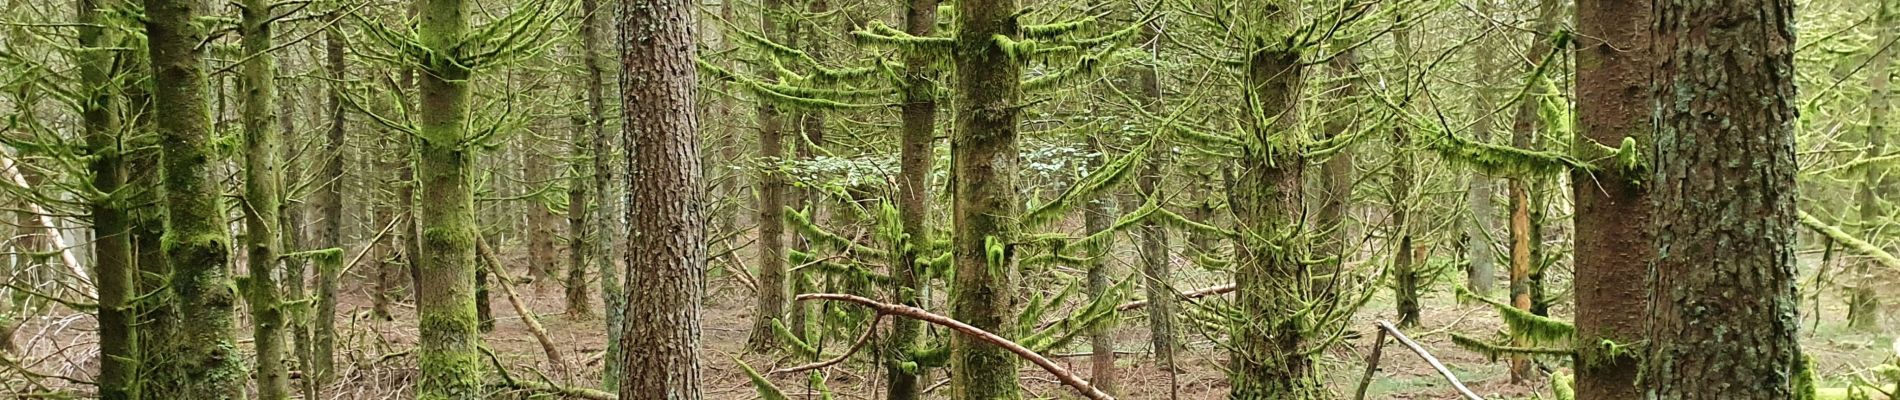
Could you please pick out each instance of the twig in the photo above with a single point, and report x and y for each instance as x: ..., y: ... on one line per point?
x: 1372, y: 365
x: 1062, y: 374
x: 527, y: 316
x: 862, y: 339
x: 1387, y: 326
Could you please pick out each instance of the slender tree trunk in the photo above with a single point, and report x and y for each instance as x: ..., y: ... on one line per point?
x: 445, y: 300
x: 598, y: 243
x: 984, y: 205
x: 667, y: 247
x: 915, y: 156
x: 1336, y: 175
x: 263, y: 206
x: 542, y: 253
x: 201, y: 359
x: 1404, y: 264
x: 1480, y: 246
x: 1722, y: 310
x: 772, y: 287
x: 1612, y: 223
x: 113, y: 266
x: 1863, y: 305
x: 1156, y: 263
x: 330, y: 207
x: 1097, y: 217
x: 155, y: 314
x: 1525, y: 227
x: 1269, y: 358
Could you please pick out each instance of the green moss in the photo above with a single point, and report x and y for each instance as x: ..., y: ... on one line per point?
x: 766, y: 388
x: 1496, y: 351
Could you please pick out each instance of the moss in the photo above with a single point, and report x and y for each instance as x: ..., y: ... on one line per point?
x: 1089, y: 187
x: 1502, y: 160
x: 792, y: 340
x: 879, y: 34
x: 1496, y: 351
x: 1524, y: 324
x: 766, y: 388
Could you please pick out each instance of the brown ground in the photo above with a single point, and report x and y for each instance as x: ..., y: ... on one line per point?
x: 376, y: 355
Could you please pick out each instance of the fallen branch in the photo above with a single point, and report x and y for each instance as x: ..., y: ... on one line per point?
x: 51, y: 224
x: 859, y: 344
x: 527, y: 316
x: 573, y: 392
x: 1192, y: 294
x: 1387, y: 326
x: 1853, y: 243
x: 919, y: 314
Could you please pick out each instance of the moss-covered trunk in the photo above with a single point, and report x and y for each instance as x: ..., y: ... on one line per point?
x: 330, y: 208
x: 1612, y: 221
x: 1403, y: 173
x: 445, y: 298
x: 1156, y: 265
x: 984, y: 205
x: 1269, y: 358
x: 771, y: 187
x: 1722, y: 312
x: 1097, y: 217
x: 201, y: 359
x: 666, y: 251
x: 1481, y: 254
x: 263, y: 205
x: 916, y: 153
x: 114, y: 270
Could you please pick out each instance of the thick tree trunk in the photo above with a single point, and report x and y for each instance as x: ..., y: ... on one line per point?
x: 1612, y: 223
x: 772, y: 287
x: 666, y: 252
x: 201, y: 359
x: 451, y: 362
x: 915, y: 155
x: 1722, y: 310
x: 114, y: 270
x: 984, y: 205
x: 263, y: 204
x: 1269, y: 358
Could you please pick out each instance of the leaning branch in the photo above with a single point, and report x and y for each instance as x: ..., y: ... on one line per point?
x: 1387, y: 326
x: 1853, y: 243
x: 527, y: 316
x: 919, y: 314
x: 1192, y: 294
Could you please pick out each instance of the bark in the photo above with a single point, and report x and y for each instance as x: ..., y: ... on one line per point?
x: 1336, y: 174
x: 916, y: 153
x: 201, y: 359
x: 772, y: 287
x: 1156, y: 264
x: 155, y: 314
x: 1480, y: 246
x: 451, y: 363
x: 1269, y: 358
x: 1722, y: 306
x: 666, y: 253
x: 1863, y: 305
x: 114, y: 270
x: 598, y: 245
x: 984, y: 205
x: 542, y: 254
x: 1404, y: 264
x: 1612, y: 224
x: 330, y: 208
x: 263, y: 205
x: 1097, y: 217
x: 1525, y: 224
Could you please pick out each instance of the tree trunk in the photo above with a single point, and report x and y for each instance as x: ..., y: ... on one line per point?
x: 667, y: 247
x: 915, y: 156
x: 1156, y: 263
x: 445, y: 298
x: 542, y: 254
x: 1269, y: 358
x: 201, y: 359
x: 263, y: 204
x: 1722, y: 310
x: 1612, y: 224
x: 1863, y: 305
x: 330, y: 207
x: 1404, y: 264
x: 114, y: 270
x: 984, y: 204
x: 772, y: 287
x: 1097, y: 217
x: 1480, y: 245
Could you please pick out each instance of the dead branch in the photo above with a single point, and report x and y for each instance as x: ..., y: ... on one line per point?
x: 527, y: 316
x: 1387, y: 326
x: 1192, y: 294
x: 919, y: 314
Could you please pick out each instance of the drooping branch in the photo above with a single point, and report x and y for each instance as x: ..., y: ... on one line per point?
x: 1062, y: 374
x: 859, y: 344
x: 1853, y: 243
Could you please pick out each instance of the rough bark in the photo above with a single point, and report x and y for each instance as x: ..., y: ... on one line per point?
x: 1722, y: 306
x: 666, y: 251
x: 201, y: 359
x: 1863, y: 305
x: 1269, y: 358
x: 1525, y: 226
x: 1612, y: 224
x: 451, y: 364
x: 1156, y: 263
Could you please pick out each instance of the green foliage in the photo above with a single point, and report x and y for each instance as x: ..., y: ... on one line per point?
x: 1525, y: 325
x: 766, y: 389
x: 1496, y: 351
x: 1089, y: 187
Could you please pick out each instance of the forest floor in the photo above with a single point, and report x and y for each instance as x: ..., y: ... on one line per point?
x: 378, y: 360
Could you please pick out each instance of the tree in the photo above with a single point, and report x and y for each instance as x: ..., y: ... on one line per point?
x: 1863, y: 305
x: 451, y: 362
x: 771, y: 186
x: 1722, y: 296
x: 201, y: 359
x: 984, y: 207
x: 666, y: 251
x: 263, y: 195
x: 113, y: 264
x: 1612, y: 222
x: 916, y: 153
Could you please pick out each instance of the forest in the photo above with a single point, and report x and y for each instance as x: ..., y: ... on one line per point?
x: 948, y: 199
